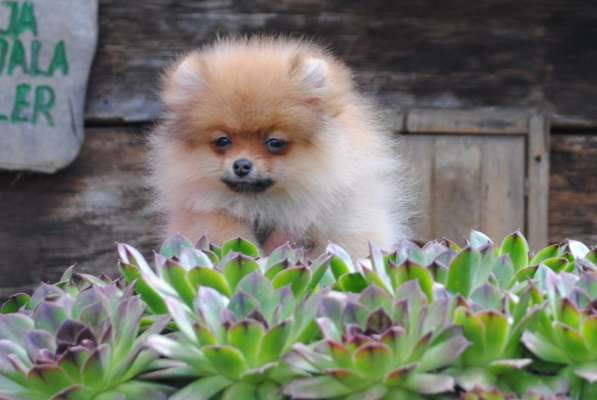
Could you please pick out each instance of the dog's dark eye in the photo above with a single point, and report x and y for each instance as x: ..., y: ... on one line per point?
x: 223, y: 142
x: 275, y: 145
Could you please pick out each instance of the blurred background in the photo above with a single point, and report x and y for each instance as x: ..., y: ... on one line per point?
x: 495, y: 100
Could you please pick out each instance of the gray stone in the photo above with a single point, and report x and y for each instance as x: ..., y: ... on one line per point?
x: 46, y: 51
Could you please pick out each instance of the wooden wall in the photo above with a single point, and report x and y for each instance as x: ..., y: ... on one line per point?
x: 415, y: 53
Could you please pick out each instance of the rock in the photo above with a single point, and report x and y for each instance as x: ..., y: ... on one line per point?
x: 46, y: 51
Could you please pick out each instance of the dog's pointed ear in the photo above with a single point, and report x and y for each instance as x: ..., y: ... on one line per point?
x: 311, y: 73
x: 182, y: 82
x: 315, y: 74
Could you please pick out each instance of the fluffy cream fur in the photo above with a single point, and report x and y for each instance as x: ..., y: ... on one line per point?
x: 339, y: 180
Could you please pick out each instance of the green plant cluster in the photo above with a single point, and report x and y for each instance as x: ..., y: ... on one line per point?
x: 424, y: 321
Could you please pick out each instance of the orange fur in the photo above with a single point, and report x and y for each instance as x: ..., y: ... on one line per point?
x: 337, y: 180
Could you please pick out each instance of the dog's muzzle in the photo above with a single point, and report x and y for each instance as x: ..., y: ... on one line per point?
x: 248, y: 186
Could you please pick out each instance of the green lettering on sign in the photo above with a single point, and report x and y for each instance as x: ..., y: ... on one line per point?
x: 21, y: 102
x: 3, y: 54
x: 17, y: 58
x: 27, y: 21
x: 22, y: 19
x: 31, y: 104
x: 13, y: 8
x: 34, y: 66
x: 59, y: 60
x: 45, y: 98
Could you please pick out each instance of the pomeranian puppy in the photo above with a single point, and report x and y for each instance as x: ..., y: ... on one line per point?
x: 267, y: 139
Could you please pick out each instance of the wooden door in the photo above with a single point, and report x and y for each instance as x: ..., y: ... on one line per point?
x: 477, y: 169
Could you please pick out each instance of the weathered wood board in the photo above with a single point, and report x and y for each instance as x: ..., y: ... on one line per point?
x: 49, y: 222
x: 468, y: 182
x: 46, y: 50
x: 486, y: 169
x: 422, y: 53
x: 573, y: 188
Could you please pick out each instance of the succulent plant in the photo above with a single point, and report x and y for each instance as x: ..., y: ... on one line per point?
x: 55, y: 345
x: 376, y: 346
x: 433, y: 320
x: 495, y: 356
x: 236, y: 314
x: 565, y: 332
x: 181, y: 268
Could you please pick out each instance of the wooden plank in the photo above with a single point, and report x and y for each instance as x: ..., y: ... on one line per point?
x: 418, y: 154
x: 502, y: 188
x: 573, y: 188
x: 478, y: 121
x: 538, y: 181
x: 407, y: 54
x: 77, y: 215
x: 456, y: 180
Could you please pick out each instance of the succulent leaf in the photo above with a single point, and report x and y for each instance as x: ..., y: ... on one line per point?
x: 478, y: 240
x: 408, y: 271
x: 462, y: 271
x: 236, y: 266
x: 352, y: 282
x: 341, y: 262
x: 443, y: 354
x: 297, y: 277
x: 516, y: 246
x: 203, y: 276
x: 321, y: 387
x: 429, y: 383
x: 274, y: 343
x: 149, y: 295
x: 227, y: 360
x: 174, y: 245
x: 240, y: 246
x: 246, y: 336
x: 203, y: 389
x: 15, y: 303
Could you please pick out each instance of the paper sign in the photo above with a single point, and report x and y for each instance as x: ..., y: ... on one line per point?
x: 46, y: 51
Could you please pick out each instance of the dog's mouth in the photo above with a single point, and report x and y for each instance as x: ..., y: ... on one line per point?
x: 253, y: 186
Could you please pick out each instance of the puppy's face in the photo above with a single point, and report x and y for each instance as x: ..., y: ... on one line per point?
x: 270, y: 157
x: 249, y: 162
x: 247, y: 123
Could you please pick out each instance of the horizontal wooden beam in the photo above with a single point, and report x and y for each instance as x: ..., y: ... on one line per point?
x: 407, y: 54
x: 490, y: 121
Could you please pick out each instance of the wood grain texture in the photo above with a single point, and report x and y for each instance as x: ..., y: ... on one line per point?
x: 538, y: 181
x: 573, y: 188
x: 412, y: 53
x: 75, y: 216
x: 488, y: 121
x: 418, y: 154
x: 456, y: 186
x: 467, y: 182
x: 502, y: 185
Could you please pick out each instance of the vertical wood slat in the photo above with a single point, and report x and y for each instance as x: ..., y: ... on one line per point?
x: 503, y: 180
x: 466, y: 182
x: 456, y: 186
x: 538, y: 181
x: 418, y: 152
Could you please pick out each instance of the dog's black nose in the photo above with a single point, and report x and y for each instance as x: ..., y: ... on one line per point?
x: 242, y: 167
